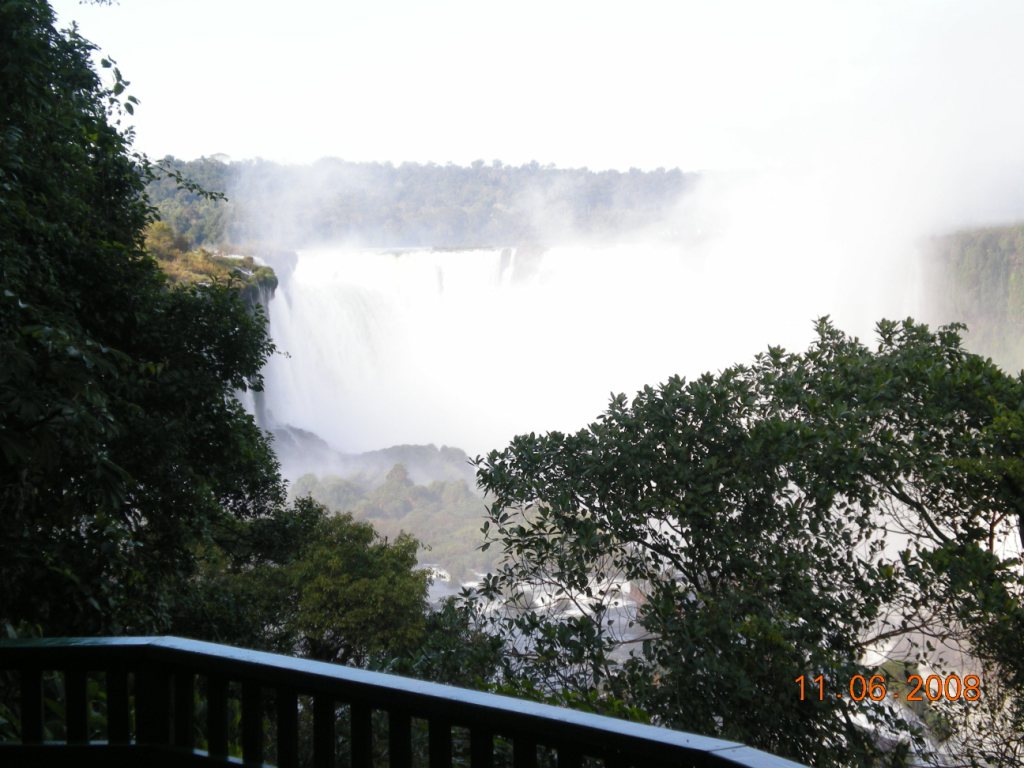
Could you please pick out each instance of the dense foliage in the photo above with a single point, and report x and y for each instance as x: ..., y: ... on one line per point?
x: 191, y: 216
x: 380, y: 204
x: 136, y: 494
x: 810, y: 514
x: 303, y: 581
x: 121, y: 436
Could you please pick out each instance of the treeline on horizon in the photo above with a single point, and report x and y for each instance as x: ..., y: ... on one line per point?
x: 386, y: 205
x: 974, y: 276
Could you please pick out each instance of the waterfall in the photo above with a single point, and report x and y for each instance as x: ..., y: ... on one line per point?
x: 470, y: 347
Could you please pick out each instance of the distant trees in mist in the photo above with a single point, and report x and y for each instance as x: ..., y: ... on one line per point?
x: 381, y: 204
x: 444, y: 515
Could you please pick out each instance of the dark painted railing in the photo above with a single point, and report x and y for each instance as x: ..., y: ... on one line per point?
x: 173, y: 702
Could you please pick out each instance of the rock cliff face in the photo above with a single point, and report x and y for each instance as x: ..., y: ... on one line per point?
x: 259, y: 287
x: 977, y: 277
x: 185, y: 264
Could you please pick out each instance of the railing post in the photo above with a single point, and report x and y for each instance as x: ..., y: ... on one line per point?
x: 75, y: 706
x: 362, y: 736
x: 323, y: 731
x: 184, y: 708
x: 31, y: 706
x: 399, y: 739
x: 153, y: 704
x: 287, y: 728
x: 252, y: 723
x: 569, y: 757
x: 524, y: 752
x: 118, y: 715
x: 440, y: 737
x: 481, y: 748
x: 217, y: 716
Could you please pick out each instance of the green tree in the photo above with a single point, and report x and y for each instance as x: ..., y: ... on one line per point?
x: 136, y: 495
x: 695, y: 551
x: 302, y: 580
x: 456, y: 649
x: 162, y: 242
x: 361, y: 598
x: 121, y: 441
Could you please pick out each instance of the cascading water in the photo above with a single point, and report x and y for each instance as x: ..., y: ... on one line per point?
x: 468, y: 348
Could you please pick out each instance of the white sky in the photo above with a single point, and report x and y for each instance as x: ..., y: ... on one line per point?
x: 699, y: 85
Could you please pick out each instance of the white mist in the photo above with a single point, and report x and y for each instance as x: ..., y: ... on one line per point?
x: 469, y: 348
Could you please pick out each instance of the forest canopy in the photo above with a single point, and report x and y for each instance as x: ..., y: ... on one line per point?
x: 411, y: 204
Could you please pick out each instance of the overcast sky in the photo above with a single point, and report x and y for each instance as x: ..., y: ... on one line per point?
x: 699, y: 85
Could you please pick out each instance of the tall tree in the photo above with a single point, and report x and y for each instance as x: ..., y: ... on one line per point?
x: 697, y: 550
x: 121, y: 442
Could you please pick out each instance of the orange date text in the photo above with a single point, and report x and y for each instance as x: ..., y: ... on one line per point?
x: 874, y: 688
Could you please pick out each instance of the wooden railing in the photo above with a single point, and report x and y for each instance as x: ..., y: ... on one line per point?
x: 165, y: 701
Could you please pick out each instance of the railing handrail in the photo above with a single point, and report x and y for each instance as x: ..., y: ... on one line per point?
x: 544, y: 723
